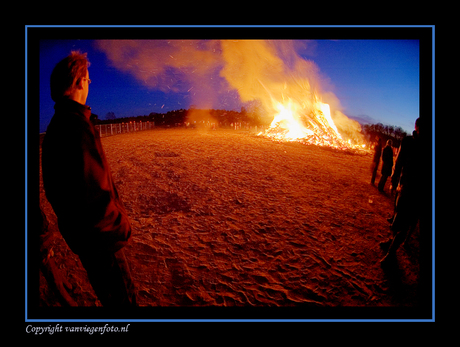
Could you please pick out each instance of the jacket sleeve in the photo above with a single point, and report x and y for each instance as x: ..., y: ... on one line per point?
x: 101, y: 208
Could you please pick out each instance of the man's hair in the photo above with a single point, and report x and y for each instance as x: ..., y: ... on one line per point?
x: 66, y: 73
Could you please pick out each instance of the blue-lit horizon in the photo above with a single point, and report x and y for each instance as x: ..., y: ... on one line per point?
x: 374, y: 80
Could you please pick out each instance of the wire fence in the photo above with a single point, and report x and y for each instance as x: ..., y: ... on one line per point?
x: 134, y: 126
x: 121, y: 128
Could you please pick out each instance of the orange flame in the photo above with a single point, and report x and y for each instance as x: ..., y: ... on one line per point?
x: 287, y: 125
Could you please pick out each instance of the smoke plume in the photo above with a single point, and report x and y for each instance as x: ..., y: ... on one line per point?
x: 215, y: 73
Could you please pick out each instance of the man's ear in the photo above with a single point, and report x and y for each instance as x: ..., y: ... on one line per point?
x: 78, y: 83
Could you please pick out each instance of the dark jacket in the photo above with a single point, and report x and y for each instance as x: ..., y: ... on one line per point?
x: 407, y: 169
x: 78, y: 182
x: 377, y: 152
x: 387, y: 159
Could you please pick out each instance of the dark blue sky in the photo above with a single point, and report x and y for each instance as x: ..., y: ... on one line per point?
x: 376, y: 80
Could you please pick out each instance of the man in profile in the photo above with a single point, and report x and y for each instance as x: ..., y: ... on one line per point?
x: 407, y: 178
x: 78, y: 184
x: 376, y: 158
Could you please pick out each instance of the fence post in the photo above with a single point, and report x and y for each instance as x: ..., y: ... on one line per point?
x: 120, y: 128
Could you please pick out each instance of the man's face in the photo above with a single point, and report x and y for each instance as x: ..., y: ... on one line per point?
x: 85, y: 85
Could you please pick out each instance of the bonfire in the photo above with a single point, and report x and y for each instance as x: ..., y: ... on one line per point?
x: 314, y: 127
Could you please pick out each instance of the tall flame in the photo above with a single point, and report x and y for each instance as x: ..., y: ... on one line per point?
x: 320, y: 129
x: 286, y: 123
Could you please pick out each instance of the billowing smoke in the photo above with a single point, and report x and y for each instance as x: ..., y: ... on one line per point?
x: 214, y: 72
x: 181, y: 66
x: 255, y: 68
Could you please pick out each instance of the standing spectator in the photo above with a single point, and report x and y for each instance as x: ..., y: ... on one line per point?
x: 78, y: 184
x: 407, y: 174
x: 376, y: 159
x: 387, y: 165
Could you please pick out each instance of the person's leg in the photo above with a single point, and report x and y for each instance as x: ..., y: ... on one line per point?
x: 399, y: 227
x: 399, y: 238
x: 375, y: 167
x: 127, y: 278
x: 382, y: 182
x: 110, y: 278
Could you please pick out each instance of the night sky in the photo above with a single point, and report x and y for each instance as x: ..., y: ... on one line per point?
x: 374, y: 80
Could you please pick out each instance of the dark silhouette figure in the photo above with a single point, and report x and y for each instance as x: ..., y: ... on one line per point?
x: 376, y: 159
x: 78, y: 184
x: 407, y: 174
x: 387, y: 165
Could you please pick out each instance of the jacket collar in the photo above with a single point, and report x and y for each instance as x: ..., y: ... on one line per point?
x: 70, y: 105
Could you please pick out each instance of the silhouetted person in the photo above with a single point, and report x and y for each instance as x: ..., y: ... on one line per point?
x: 376, y: 159
x: 407, y: 173
x: 387, y: 165
x: 78, y: 184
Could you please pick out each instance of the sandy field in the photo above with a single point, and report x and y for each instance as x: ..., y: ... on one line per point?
x: 228, y: 218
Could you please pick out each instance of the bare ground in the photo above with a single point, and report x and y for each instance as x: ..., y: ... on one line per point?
x: 225, y: 218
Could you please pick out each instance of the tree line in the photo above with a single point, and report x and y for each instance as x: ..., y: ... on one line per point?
x: 384, y: 132
x: 251, y: 116
x: 179, y: 117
